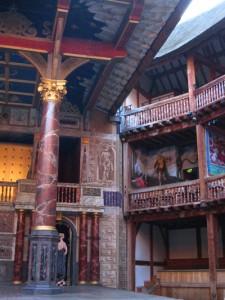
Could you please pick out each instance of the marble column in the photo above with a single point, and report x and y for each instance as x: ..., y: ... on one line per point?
x: 44, y: 237
x: 28, y: 250
x: 18, y: 260
x: 94, y: 260
x: 83, y: 249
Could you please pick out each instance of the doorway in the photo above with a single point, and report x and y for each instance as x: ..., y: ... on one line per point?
x: 67, y: 228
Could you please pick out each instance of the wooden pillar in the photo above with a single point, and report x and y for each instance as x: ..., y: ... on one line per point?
x: 18, y: 261
x: 201, y: 144
x: 131, y: 245
x: 126, y: 173
x: 212, y: 232
x: 191, y: 81
x: 223, y: 238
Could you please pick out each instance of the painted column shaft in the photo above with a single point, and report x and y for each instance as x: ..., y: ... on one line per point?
x: 47, y: 167
x: 18, y: 261
x: 83, y: 249
x: 95, y: 249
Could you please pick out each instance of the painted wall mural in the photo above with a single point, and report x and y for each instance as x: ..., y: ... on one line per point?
x: 163, y: 166
x: 215, y: 145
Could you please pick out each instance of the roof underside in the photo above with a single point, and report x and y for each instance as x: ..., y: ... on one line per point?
x: 202, y: 39
x: 103, y: 82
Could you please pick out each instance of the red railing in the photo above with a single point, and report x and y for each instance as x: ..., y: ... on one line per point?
x: 168, y: 195
x: 210, y: 93
x: 8, y: 191
x: 68, y: 193
x: 156, y: 112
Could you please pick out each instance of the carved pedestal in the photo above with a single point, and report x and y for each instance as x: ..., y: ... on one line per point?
x: 42, y: 263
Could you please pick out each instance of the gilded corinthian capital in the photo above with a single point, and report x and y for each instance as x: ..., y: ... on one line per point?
x: 52, y: 90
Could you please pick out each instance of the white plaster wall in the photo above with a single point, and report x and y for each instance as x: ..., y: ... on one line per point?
x: 132, y: 99
x: 142, y: 243
x: 183, y: 243
x: 142, y: 273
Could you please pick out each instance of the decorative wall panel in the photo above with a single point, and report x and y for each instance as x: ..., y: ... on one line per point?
x: 6, y: 244
x: 15, y: 161
x: 98, y: 160
x: 6, y: 222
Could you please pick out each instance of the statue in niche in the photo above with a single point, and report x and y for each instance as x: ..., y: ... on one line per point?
x: 106, y: 164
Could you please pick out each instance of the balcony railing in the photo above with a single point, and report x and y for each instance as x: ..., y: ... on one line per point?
x: 164, y: 196
x: 210, y: 93
x: 174, y: 107
x: 156, y: 112
x: 179, y: 194
x: 68, y: 193
x: 8, y: 191
x: 215, y: 187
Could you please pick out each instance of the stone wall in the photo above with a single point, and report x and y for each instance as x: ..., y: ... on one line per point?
x: 112, y: 248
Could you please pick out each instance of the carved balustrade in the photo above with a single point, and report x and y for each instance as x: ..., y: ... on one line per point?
x: 68, y: 193
x: 215, y: 187
x: 210, y: 93
x: 168, y: 195
x: 8, y: 191
x: 175, y: 107
x: 164, y: 110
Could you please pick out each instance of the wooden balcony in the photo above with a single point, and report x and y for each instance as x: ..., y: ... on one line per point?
x: 177, y: 109
x: 183, y: 195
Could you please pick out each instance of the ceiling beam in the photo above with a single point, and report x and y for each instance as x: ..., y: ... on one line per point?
x: 209, y: 62
x: 69, y: 47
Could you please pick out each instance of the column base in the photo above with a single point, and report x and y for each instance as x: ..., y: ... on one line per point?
x: 17, y: 282
x: 89, y: 282
x: 41, y: 290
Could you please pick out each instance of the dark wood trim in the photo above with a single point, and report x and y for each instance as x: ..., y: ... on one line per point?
x: 148, y: 263
x: 212, y: 232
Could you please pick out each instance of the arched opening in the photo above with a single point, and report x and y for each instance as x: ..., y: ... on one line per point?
x: 67, y: 227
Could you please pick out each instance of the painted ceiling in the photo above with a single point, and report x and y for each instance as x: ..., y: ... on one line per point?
x: 119, y: 39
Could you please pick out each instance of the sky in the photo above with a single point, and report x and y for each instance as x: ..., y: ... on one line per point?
x: 197, y: 7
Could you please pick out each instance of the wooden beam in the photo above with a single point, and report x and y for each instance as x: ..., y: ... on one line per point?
x: 173, y: 215
x: 131, y: 245
x: 201, y: 143
x: 210, y: 63
x: 212, y: 232
x: 90, y: 49
x: 69, y: 47
x: 191, y: 81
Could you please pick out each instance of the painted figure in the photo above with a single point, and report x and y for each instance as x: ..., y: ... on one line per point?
x: 160, y: 168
